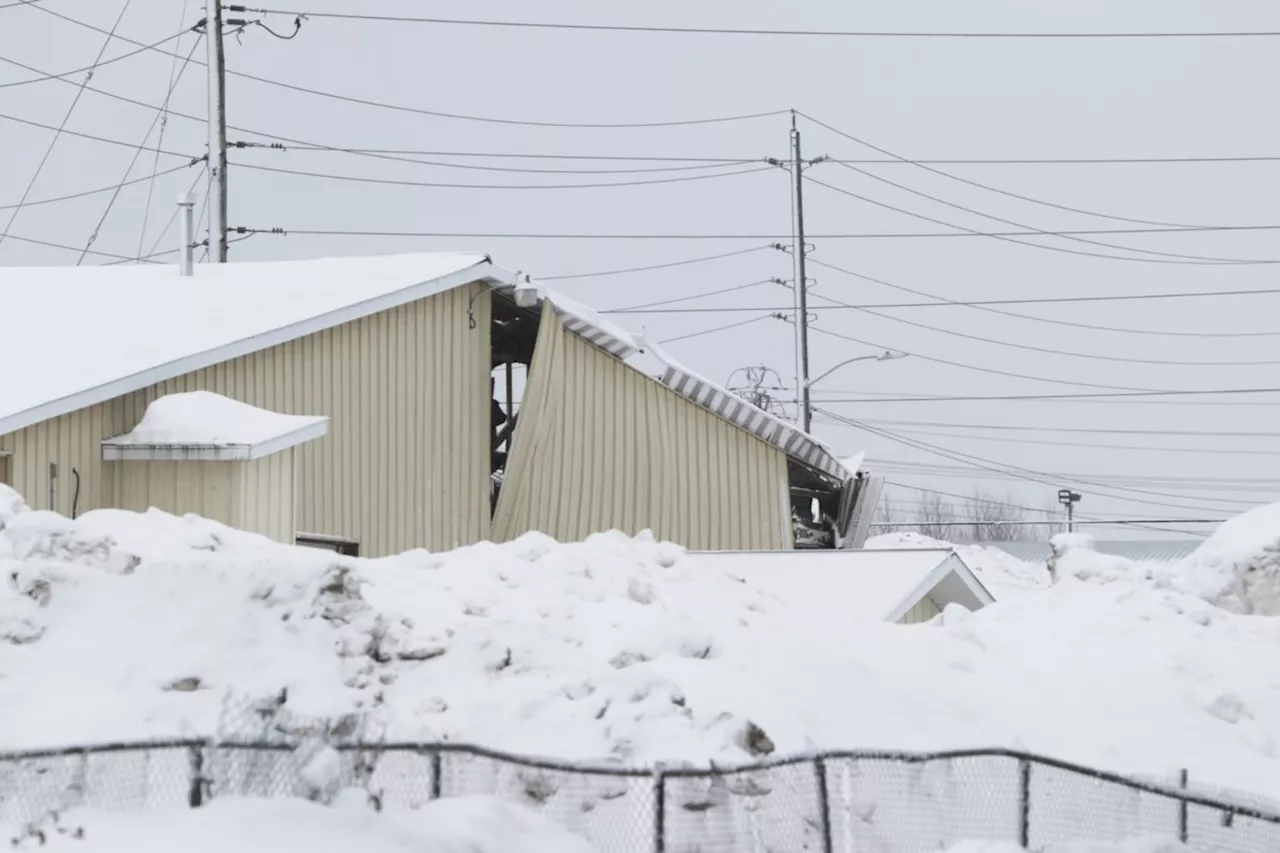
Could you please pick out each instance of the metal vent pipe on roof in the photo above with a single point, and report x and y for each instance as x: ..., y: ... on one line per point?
x: 187, y: 209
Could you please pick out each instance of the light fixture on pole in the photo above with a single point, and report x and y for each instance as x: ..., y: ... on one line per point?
x: 1069, y: 499
x: 887, y: 355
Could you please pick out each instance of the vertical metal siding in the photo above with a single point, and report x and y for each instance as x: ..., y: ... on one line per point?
x: 923, y: 611
x: 601, y: 446
x: 208, y: 489
x: 266, y: 501
x: 406, y: 461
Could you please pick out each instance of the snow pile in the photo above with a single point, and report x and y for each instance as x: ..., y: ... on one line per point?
x: 1003, y: 574
x: 453, y: 825
x: 616, y: 649
x: 1240, y: 563
x: 1236, y: 569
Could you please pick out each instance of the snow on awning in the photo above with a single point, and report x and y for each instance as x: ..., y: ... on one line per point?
x: 796, y: 444
x: 206, y: 427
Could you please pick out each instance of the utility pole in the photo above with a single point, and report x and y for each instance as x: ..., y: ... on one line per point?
x: 217, y: 133
x: 801, y: 284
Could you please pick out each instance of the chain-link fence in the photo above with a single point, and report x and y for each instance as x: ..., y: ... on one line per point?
x: 891, y: 802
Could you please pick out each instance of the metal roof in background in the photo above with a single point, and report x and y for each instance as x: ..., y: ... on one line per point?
x: 1143, y: 550
x: 785, y: 436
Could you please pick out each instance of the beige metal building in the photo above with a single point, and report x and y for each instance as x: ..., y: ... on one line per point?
x: 396, y: 354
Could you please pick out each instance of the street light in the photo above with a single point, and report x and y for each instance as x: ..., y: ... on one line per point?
x: 1069, y: 498
x: 887, y: 355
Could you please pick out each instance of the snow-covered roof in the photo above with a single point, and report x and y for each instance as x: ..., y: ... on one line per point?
x: 203, y: 426
x: 773, y: 429
x: 123, y: 328
x: 94, y: 333
x: 866, y: 584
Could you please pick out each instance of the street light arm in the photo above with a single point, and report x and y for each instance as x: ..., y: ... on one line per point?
x: 884, y: 356
x: 827, y: 373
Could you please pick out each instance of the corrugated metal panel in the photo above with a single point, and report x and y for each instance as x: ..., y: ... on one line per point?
x: 601, y: 446
x: 794, y: 443
x: 267, y: 500
x: 71, y: 441
x: 209, y: 489
x: 406, y: 461
x: 923, y: 611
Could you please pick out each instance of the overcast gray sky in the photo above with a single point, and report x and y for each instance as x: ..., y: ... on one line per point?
x: 922, y: 99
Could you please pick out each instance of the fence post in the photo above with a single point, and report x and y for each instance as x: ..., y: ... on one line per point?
x: 436, y: 775
x: 824, y: 803
x: 1024, y: 803
x: 1182, y: 808
x: 659, y: 809
x: 195, y: 791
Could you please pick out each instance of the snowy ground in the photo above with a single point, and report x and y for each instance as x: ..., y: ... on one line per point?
x: 456, y: 825
x: 631, y: 651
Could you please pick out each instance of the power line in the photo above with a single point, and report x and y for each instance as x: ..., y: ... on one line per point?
x: 990, y: 370
x: 703, y: 295
x: 1026, y: 473
x: 293, y: 144
x: 1062, y: 161
x: 1049, y: 300
x: 1183, y: 257
x: 97, y: 138
x: 1050, y: 351
x: 123, y: 56
x: 99, y: 190
x: 434, y: 113
x: 18, y: 3
x: 932, y: 161
x: 1004, y: 439
x: 1009, y: 237
x: 944, y: 398
x: 78, y: 249
x: 405, y: 183
x: 716, y: 329
x: 728, y: 31
x: 663, y: 266
x: 1092, y: 430
x: 1141, y: 523
x: 400, y: 157
x: 164, y: 124
x: 137, y: 152
x: 1244, y: 484
x: 982, y: 305
x: 66, y: 117
x: 721, y: 236
x: 906, y: 161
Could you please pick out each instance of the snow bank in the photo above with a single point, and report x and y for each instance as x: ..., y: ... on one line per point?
x: 1236, y: 569
x: 454, y: 825
x: 615, y: 649
x: 1239, y: 565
